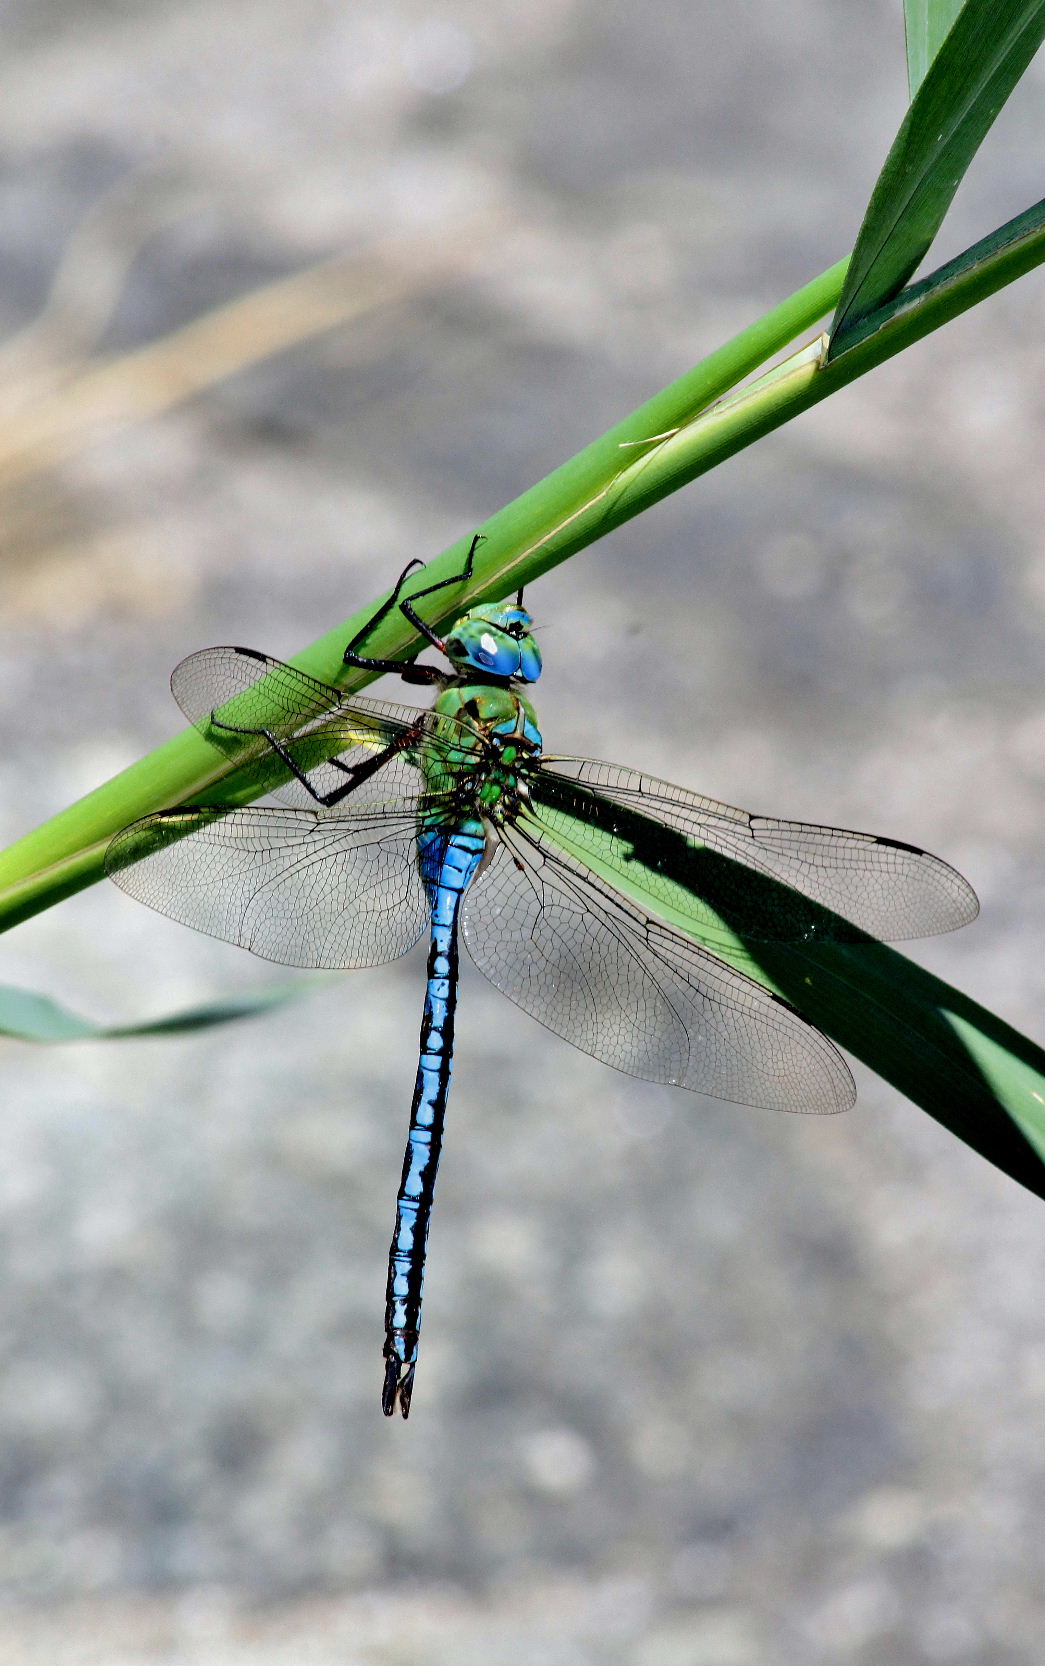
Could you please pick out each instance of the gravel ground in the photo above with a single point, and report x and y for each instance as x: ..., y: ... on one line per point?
x: 826, y: 1451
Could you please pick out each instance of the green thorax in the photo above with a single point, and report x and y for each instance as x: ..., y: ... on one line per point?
x: 507, y: 722
x: 488, y: 706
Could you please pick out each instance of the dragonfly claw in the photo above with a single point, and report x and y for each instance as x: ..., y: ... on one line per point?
x: 397, y: 1387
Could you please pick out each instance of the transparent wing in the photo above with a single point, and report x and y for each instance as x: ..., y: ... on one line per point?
x: 296, y: 886
x: 230, y: 694
x: 770, y: 880
x: 634, y: 993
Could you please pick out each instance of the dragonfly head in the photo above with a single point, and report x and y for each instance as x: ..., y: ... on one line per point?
x: 497, y: 640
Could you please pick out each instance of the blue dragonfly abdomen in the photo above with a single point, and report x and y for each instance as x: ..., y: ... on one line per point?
x: 448, y: 862
x: 452, y: 842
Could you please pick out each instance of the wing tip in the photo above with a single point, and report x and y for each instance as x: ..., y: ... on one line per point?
x: 965, y: 902
x: 847, y: 1088
x: 835, y: 1080
x: 968, y: 898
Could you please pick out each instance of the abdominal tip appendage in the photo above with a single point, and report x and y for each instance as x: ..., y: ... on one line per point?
x: 398, y: 1388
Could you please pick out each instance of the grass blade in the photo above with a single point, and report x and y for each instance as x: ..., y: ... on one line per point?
x: 969, y: 1070
x: 968, y: 81
x: 1015, y: 248
x: 28, y: 1016
x: 926, y: 23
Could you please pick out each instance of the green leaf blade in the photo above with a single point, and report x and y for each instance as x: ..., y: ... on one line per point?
x: 926, y: 25
x: 969, y: 80
x: 976, y: 1077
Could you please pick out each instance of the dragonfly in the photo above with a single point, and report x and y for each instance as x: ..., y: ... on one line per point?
x: 591, y: 894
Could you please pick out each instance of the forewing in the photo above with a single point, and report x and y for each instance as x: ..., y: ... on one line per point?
x: 296, y: 886
x: 769, y: 880
x: 231, y: 695
x: 632, y: 992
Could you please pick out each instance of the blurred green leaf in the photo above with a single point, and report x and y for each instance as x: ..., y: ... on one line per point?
x: 27, y: 1016
x: 926, y: 23
x: 972, y: 75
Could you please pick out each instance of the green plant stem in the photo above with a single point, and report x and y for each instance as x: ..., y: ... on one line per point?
x: 535, y: 532
x: 675, y: 437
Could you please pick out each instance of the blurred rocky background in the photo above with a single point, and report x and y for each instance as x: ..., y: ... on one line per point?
x: 289, y: 294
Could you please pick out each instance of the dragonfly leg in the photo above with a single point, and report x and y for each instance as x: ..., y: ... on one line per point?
x: 356, y: 773
x: 410, y: 672
x: 351, y: 657
x: 406, y: 669
x: 408, y: 609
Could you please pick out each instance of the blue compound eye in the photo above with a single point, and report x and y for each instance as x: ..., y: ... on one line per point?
x: 529, y: 660
x: 495, y: 639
